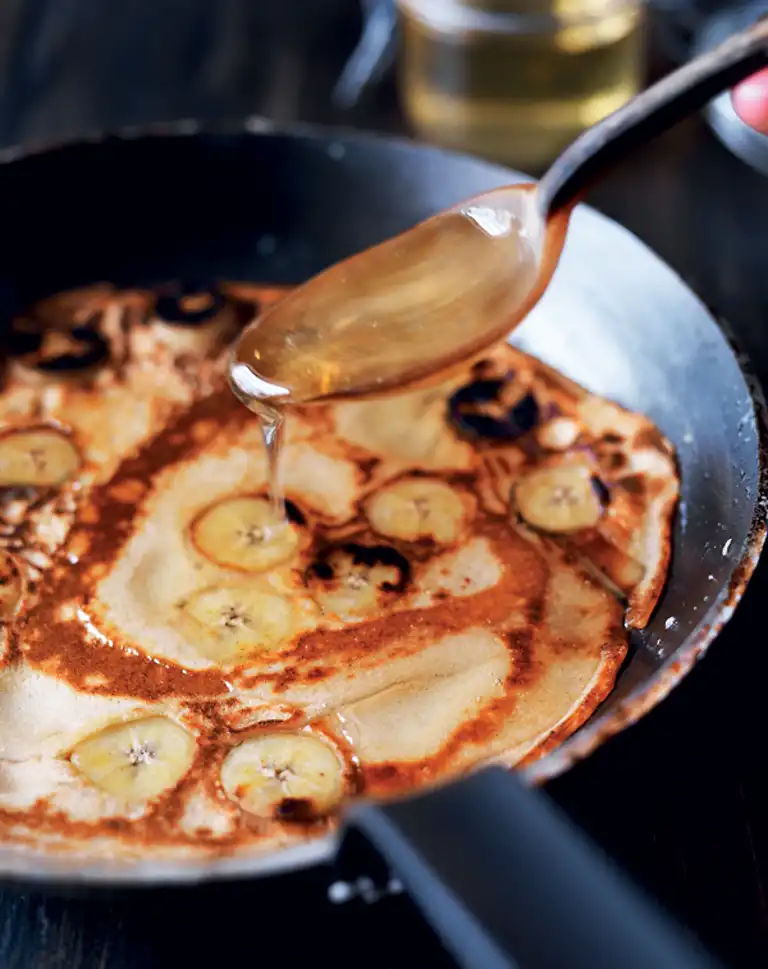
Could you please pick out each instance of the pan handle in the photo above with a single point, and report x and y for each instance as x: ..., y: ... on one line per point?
x: 508, y: 883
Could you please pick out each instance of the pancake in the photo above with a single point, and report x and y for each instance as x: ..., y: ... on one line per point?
x: 183, y: 676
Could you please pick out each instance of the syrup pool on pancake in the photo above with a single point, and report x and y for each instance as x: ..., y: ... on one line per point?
x: 182, y: 674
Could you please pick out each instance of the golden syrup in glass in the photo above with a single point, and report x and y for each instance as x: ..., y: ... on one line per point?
x: 517, y: 80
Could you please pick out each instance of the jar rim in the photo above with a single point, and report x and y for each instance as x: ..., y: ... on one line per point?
x: 454, y: 15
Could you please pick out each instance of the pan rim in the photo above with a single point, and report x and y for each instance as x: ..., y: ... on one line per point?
x: 60, y: 869
x: 600, y: 728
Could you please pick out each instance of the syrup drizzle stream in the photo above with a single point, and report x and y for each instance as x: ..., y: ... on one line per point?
x: 255, y: 393
x: 272, y: 422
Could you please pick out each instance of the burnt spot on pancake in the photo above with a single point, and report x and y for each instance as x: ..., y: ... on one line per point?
x: 366, y: 466
x: 351, y: 581
x: 189, y: 304
x: 194, y: 321
x: 294, y: 514
x: 611, y: 453
x: 294, y: 809
x: 616, y: 461
x: 23, y: 337
x: 495, y: 409
x: 57, y: 352
x: 601, y: 490
x: 634, y: 484
x: 245, y: 311
x: 81, y: 349
x: 367, y: 557
x: 484, y: 369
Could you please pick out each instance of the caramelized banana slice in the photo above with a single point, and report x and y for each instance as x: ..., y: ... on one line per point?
x: 138, y: 760
x: 353, y: 581
x: 560, y: 499
x: 57, y: 354
x: 11, y: 587
x: 494, y: 408
x: 415, y: 508
x: 39, y: 457
x: 233, y: 622
x: 284, y: 775
x: 189, y: 304
x: 242, y: 533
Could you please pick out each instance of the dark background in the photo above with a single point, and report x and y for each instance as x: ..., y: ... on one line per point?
x: 680, y: 801
x: 68, y: 67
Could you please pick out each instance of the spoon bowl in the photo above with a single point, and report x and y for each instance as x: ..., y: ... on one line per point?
x: 408, y: 310
x: 412, y: 309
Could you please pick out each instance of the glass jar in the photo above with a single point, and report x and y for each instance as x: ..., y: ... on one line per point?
x: 517, y: 80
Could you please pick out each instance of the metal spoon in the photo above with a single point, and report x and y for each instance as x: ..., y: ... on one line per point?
x: 416, y: 306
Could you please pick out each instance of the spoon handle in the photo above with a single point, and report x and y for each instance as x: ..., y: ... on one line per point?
x: 651, y: 113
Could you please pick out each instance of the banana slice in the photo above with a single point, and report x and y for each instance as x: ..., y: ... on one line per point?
x: 138, y: 760
x: 242, y: 533
x: 559, y: 500
x: 284, y: 775
x: 415, y: 508
x: 559, y: 434
x: 353, y: 581
x: 11, y: 587
x: 36, y: 458
x: 234, y: 622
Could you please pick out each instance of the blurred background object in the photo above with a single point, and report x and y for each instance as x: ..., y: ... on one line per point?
x: 510, y: 79
x: 69, y: 68
x: 517, y: 80
x: 750, y: 101
x: 373, y: 54
x: 737, y: 128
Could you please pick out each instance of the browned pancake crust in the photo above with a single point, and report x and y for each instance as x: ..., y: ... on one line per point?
x: 192, y: 414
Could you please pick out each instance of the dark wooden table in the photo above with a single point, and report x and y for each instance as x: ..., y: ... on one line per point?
x: 681, y: 800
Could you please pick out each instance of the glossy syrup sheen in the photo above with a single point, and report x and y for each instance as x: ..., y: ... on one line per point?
x: 401, y: 312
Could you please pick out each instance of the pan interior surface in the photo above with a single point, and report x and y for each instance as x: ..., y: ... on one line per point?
x: 279, y: 208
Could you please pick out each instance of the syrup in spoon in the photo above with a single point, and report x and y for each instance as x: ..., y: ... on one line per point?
x: 411, y: 309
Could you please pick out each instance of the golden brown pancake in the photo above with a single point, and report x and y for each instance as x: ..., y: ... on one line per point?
x: 180, y: 674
